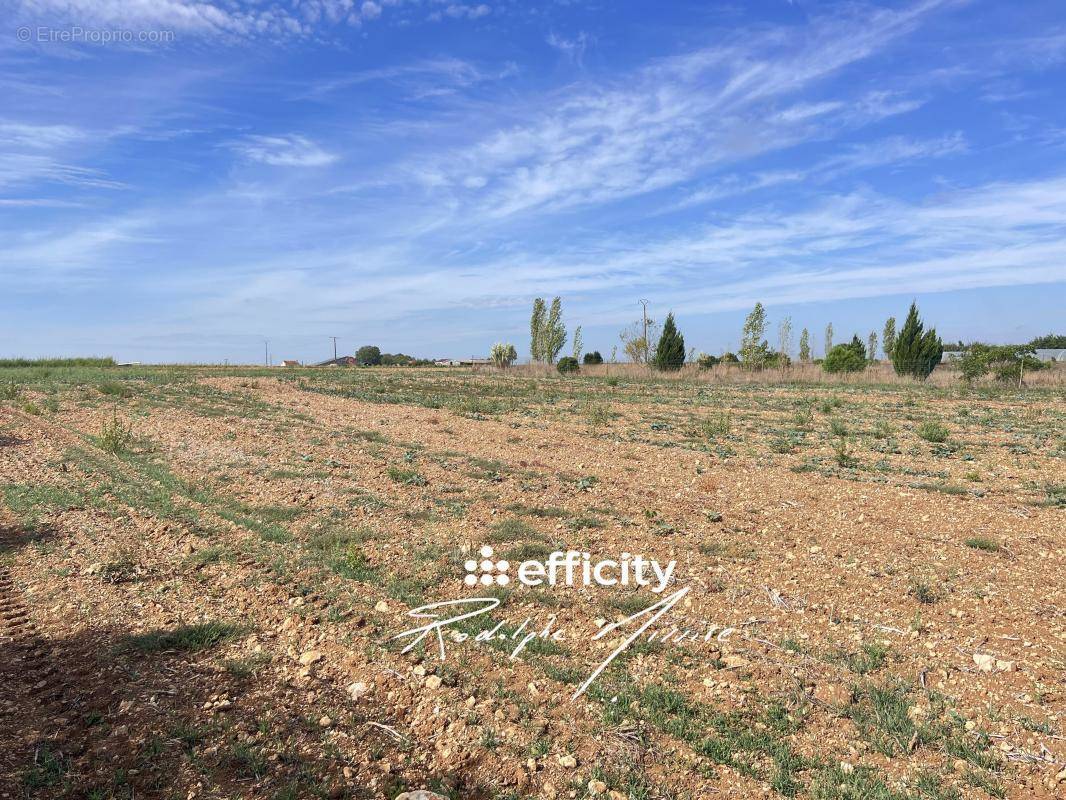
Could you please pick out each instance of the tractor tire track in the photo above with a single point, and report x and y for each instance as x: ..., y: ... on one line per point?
x: 34, y: 703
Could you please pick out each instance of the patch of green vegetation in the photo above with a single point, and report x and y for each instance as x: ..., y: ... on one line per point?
x: 407, y: 477
x: 32, y: 501
x: 933, y: 431
x: 858, y: 783
x: 924, y: 592
x: 47, y: 771
x: 201, y: 558
x: 185, y: 638
x: 246, y: 667
x: 114, y: 389
x: 8, y: 363
x: 548, y: 512
x: 983, y: 543
x: 115, y: 436
x: 529, y: 551
x: 512, y: 529
x: 880, y: 713
x: 870, y: 657
x: 340, y: 551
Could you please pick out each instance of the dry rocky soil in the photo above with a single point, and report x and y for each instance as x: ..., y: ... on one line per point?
x: 203, y: 574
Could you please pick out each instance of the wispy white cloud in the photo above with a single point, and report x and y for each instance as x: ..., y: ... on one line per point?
x: 28, y: 168
x: 896, y: 151
x: 573, y: 49
x: 422, y: 78
x: 38, y: 137
x: 244, y: 19
x: 462, y: 11
x: 283, y: 151
x: 676, y: 118
x: 859, y: 244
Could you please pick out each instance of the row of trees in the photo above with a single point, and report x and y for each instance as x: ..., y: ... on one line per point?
x: 370, y: 355
x: 914, y: 351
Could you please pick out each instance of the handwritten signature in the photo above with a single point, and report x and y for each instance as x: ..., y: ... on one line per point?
x: 439, y: 620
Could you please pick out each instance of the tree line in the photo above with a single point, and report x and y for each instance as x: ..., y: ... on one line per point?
x: 913, y: 350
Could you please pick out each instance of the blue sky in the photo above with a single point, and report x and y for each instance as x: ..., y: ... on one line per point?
x: 413, y: 173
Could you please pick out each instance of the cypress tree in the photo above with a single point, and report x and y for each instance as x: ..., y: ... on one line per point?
x: 917, y: 351
x: 670, y: 353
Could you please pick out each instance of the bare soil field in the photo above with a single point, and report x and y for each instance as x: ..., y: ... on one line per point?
x: 204, y: 573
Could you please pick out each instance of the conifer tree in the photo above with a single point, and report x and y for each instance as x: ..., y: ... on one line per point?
x: 917, y: 351
x: 670, y: 353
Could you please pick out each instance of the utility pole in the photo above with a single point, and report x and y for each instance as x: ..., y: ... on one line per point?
x: 266, y: 352
x: 334, y: 338
x: 644, y: 303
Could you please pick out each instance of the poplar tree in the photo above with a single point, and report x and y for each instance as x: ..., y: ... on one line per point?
x: 888, y: 337
x: 752, y: 345
x: 536, y: 330
x: 554, y: 335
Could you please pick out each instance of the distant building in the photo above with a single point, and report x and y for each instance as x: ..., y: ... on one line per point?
x: 447, y: 362
x: 1042, y: 354
x: 290, y: 362
x: 1051, y: 355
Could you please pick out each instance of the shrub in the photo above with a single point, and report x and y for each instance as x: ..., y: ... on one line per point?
x: 113, y: 389
x: 730, y: 358
x: 114, y: 436
x: 850, y: 357
x: 933, y: 431
x: 593, y: 358
x: 567, y: 364
x: 10, y: 391
x: 1006, y: 362
x: 704, y: 361
x: 503, y: 355
x: 973, y: 365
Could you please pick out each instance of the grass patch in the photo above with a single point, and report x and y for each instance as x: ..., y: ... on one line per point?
x: 870, y: 657
x: 185, y: 638
x: 983, y: 543
x: 512, y: 530
x: 407, y: 477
